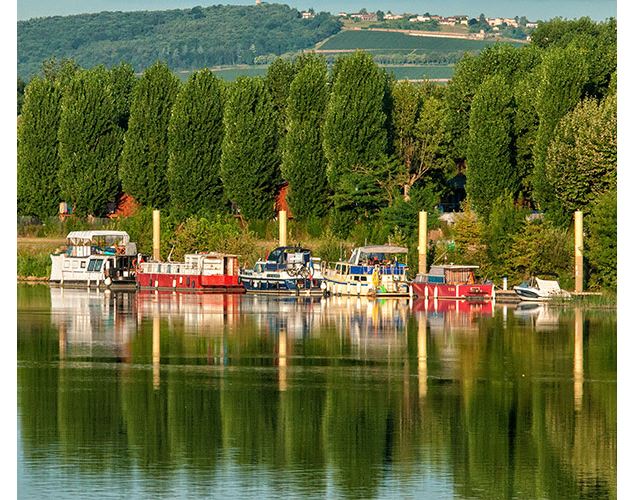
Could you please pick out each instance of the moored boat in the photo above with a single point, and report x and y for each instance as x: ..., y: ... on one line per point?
x: 95, y: 259
x: 286, y: 270
x: 200, y: 272
x: 451, y: 281
x: 373, y: 270
x: 537, y: 290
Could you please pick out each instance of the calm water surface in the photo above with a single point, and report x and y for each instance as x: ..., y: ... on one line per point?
x: 144, y: 395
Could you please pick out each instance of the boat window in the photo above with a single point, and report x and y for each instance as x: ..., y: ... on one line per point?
x: 82, y: 264
x: 67, y: 264
x: 159, y: 268
x: 98, y: 265
x: 91, y: 265
x: 169, y: 269
x: 75, y: 264
x: 275, y: 255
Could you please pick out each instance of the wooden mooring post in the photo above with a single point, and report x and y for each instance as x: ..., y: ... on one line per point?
x: 282, y: 218
x: 156, y: 235
x: 579, y: 255
x: 423, y: 241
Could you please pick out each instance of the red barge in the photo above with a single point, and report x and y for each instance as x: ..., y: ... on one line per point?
x: 201, y: 272
x: 451, y: 281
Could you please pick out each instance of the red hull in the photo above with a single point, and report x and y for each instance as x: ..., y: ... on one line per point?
x: 463, y: 306
x: 190, y: 282
x: 442, y: 291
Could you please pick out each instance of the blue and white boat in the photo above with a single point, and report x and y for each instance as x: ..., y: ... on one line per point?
x: 286, y: 270
x: 376, y: 270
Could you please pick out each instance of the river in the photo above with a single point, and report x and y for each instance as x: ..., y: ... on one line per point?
x: 162, y: 395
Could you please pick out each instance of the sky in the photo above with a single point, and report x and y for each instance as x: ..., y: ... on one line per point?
x: 532, y: 9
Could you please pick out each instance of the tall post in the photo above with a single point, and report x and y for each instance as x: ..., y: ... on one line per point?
x: 578, y: 359
x: 156, y: 235
x: 579, y: 247
x: 282, y: 218
x: 423, y: 239
x: 156, y: 350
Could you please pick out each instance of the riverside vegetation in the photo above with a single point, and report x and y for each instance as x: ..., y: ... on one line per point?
x: 530, y: 128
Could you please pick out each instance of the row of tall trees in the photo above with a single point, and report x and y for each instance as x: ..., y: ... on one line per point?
x: 534, y: 125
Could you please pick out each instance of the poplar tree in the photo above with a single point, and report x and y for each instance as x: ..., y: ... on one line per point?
x: 490, y: 173
x: 559, y: 88
x: 250, y: 160
x: 90, y: 142
x: 195, y: 140
x: 122, y: 84
x: 355, y: 136
x: 280, y: 74
x: 304, y: 163
x: 145, y: 153
x: 581, y: 161
x: 37, y: 187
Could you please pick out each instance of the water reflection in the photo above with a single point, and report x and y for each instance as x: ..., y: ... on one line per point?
x: 199, y: 395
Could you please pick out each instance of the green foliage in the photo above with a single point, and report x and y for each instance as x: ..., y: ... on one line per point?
x: 33, y: 264
x: 20, y: 94
x: 280, y: 74
x: 195, y: 137
x: 503, y: 59
x: 602, y: 241
x: 38, y: 190
x: 250, y: 161
x: 559, y: 87
x: 490, y: 172
x: 90, y: 142
x: 582, y: 156
x: 543, y: 250
x: 184, y: 38
x: 525, y: 125
x: 122, y: 84
x: 303, y: 160
x: 468, y: 233
x: 144, y: 159
x: 355, y: 135
x: 218, y: 233
x: 505, y: 221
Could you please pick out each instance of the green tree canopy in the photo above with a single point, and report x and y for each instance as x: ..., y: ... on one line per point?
x: 250, y: 161
x: 38, y: 190
x: 582, y: 156
x: 490, y: 173
x: 195, y: 140
x: 145, y: 152
x: 355, y: 134
x: 561, y: 77
x: 90, y: 142
x: 304, y: 163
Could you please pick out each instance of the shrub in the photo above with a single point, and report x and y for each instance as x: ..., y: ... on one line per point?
x: 602, y: 242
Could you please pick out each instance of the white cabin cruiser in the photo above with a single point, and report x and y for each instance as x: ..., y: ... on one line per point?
x: 95, y: 258
x: 538, y: 290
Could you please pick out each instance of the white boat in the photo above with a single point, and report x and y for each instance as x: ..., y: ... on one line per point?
x: 95, y: 259
x: 371, y: 270
x: 538, y: 290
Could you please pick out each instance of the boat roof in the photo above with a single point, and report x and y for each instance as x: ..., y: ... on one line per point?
x: 90, y: 235
x: 210, y: 254
x: 454, y: 266
x: 382, y: 249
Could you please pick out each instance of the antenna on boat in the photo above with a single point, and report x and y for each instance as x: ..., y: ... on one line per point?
x: 170, y: 254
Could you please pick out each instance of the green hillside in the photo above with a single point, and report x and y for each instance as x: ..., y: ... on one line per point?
x: 386, y: 41
x: 185, y: 39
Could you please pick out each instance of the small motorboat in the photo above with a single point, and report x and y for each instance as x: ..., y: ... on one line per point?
x: 537, y: 290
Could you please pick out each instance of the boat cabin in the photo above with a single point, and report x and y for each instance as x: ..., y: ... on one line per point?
x: 95, y: 257
x: 450, y: 274
x: 204, y: 264
x: 364, y: 260
x: 283, y: 257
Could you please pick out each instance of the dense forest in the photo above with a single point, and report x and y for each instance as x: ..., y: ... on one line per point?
x: 530, y: 129
x: 185, y: 39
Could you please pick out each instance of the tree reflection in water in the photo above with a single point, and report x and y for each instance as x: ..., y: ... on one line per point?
x: 342, y: 396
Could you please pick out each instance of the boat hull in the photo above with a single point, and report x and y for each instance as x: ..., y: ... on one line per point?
x: 361, y: 289
x: 282, y: 286
x: 191, y: 282
x: 445, y: 291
